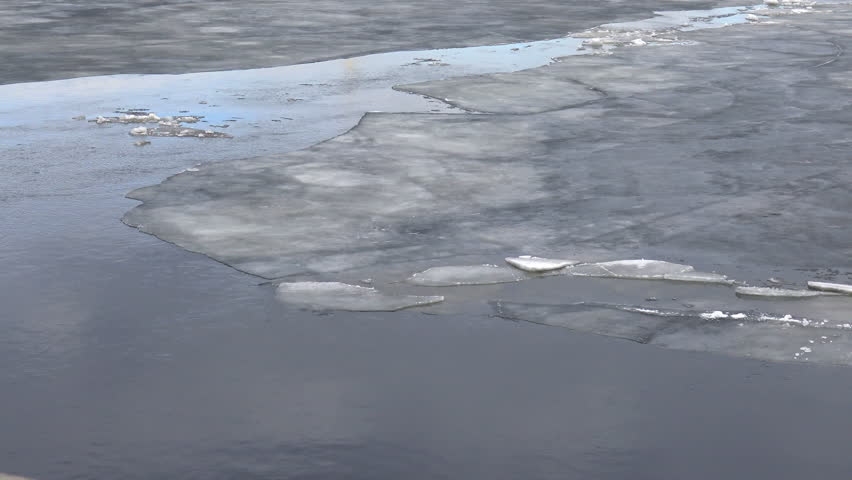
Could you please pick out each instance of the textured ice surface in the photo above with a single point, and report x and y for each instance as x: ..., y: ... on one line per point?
x: 639, y: 269
x: 342, y: 296
x: 508, y: 93
x: 537, y: 264
x: 776, y: 292
x: 761, y: 336
x: 689, y: 153
x: 831, y: 287
x: 465, y: 275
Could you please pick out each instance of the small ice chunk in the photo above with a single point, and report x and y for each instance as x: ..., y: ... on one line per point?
x: 537, y: 264
x: 714, y: 315
x: 739, y: 316
x: 142, y: 143
x: 465, y: 275
x: 698, y: 277
x: 752, y: 17
x: 139, y: 131
x: 805, y: 349
x: 775, y: 292
x: 772, y: 3
x: 831, y: 287
x: 639, y: 42
x: 354, y: 298
x: 636, y: 269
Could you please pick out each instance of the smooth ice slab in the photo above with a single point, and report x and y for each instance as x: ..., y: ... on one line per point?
x: 530, y: 263
x: 747, y: 334
x: 639, y: 269
x: 354, y: 298
x: 465, y: 275
x: 698, y: 277
x: 777, y: 292
x: 831, y: 287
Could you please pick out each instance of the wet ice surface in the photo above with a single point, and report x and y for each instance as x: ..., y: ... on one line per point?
x: 831, y: 287
x: 354, y: 298
x: 596, y: 175
x: 465, y: 275
x: 776, y: 292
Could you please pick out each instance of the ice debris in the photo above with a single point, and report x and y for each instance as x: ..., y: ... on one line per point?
x: 776, y: 292
x: 354, y: 298
x: 537, y: 264
x: 465, y: 275
x: 831, y: 287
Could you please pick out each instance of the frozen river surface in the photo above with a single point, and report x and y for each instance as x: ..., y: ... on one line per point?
x: 714, y: 141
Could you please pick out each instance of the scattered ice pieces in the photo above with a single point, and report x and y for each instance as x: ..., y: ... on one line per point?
x: 634, y: 269
x: 537, y: 264
x: 776, y: 292
x: 831, y: 287
x: 79, y: 117
x: 138, y: 131
x: 465, y: 275
x: 805, y: 349
x: 714, y: 315
x: 354, y: 298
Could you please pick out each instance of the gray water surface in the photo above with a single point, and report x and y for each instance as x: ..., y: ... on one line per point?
x: 122, y: 356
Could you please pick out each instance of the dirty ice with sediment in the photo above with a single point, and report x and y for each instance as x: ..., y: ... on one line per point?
x: 641, y: 180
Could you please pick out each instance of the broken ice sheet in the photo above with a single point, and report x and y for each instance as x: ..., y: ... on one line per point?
x: 342, y: 296
x: 755, y: 335
x: 465, y: 275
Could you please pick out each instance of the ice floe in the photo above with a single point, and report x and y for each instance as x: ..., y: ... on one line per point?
x: 653, y: 269
x: 761, y: 336
x: 343, y: 296
x: 530, y: 263
x: 776, y: 292
x: 831, y: 287
x: 465, y: 275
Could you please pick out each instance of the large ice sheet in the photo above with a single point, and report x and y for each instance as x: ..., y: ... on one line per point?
x: 701, y: 152
x: 747, y: 334
x: 342, y: 296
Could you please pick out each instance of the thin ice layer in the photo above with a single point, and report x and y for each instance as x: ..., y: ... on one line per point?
x: 451, y: 276
x: 747, y: 334
x: 638, y: 269
x: 777, y: 292
x: 342, y: 296
x: 533, y: 264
